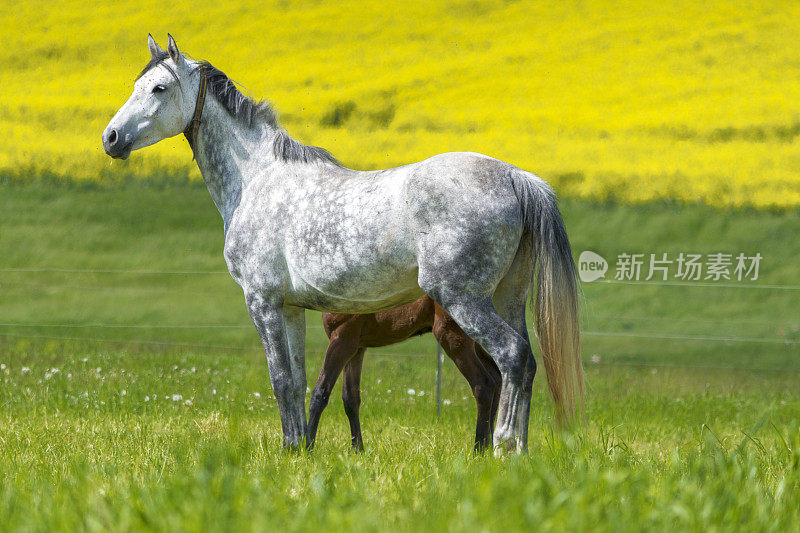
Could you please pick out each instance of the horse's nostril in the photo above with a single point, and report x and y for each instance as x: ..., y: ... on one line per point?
x: 112, y: 137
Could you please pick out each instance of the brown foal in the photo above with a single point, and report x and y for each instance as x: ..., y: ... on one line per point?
x: 351, y: 335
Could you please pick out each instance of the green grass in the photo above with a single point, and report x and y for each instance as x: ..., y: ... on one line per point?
x: 682, y: 434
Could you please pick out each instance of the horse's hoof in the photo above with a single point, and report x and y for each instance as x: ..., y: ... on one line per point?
x: 505, y: 446
x: 298, y: 446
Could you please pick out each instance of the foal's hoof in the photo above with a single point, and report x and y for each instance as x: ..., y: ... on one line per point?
x: 481, y: 448
x: 356, y: 444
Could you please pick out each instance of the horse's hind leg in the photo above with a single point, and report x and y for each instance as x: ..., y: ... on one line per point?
x: 523, y: 418
x: 351, y: 397
x: 510, y: 304
x: 510, y: 299
x: 483, y: 377
x: 461, y: 268
x: 343, y: 345
x: 509, y: 350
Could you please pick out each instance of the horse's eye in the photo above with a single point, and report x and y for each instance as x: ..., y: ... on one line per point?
x: 159, y: 89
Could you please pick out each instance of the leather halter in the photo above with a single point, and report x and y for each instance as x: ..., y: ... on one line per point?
x: 194, y: 125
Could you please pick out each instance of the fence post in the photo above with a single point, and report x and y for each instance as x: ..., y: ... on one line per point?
x: 438, y: 381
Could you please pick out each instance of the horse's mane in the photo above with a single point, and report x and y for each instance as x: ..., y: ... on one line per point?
x: 250, y: 112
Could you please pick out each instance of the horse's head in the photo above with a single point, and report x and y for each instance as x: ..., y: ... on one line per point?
x: 161, y: 105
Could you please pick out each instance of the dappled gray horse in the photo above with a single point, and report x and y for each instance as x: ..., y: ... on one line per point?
x: 303, y: 232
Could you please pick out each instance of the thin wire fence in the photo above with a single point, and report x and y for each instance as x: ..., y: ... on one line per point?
x: 315, y: 326
x: 224, y: 273
x: 233, y: 347
x: 74, y: 272
x: 373, y: 352
x: 699, y: 284
x: 117, y: 271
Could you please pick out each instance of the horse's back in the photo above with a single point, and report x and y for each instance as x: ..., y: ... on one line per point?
x: 458, y: 183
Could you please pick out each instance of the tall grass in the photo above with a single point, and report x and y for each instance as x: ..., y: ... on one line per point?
x: 99, y: 439
x: 166, y: 427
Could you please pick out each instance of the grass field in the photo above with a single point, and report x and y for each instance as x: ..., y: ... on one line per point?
x: 169, y: 428
x: 133, y: 389
x: 632, y: 101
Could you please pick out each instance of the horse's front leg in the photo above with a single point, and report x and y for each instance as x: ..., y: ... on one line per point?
x: 274, y: 322
x: 295, y: 318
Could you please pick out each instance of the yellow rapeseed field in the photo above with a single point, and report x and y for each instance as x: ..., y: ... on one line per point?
x: 633, y: 101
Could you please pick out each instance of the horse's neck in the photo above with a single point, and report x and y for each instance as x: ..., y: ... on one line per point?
x: 230, y: 155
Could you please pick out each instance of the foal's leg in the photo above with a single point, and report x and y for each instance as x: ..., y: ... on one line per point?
x: 343, y: 346
x: 272, y: 320
x: 490, y: 368
x: 351, y: 397
x: 461, y: 349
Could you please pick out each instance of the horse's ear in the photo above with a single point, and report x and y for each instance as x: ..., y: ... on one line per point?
x: 174, y: 53
x: 155, y: 50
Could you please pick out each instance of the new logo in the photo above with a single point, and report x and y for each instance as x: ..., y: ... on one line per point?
x: 591, y: 266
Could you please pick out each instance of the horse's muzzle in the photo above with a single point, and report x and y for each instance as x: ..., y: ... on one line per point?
x: 115, y: 145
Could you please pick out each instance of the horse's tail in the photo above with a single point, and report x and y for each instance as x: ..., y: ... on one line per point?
x: 556, y: 305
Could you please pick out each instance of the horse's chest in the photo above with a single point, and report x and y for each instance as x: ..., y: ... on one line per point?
x: 253, y: 259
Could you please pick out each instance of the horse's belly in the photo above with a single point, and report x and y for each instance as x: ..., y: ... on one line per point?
x: 332, y: 304
x: 357, y: 290
x: 359, y: 258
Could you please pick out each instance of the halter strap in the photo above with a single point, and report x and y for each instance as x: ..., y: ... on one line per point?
x: 194, y: 125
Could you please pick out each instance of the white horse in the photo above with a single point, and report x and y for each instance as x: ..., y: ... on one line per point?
x: 303, y: 232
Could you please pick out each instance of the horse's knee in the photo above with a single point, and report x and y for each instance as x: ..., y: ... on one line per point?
x: 515, y: 359
x: 319, y: 400
x: 283, y: 390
